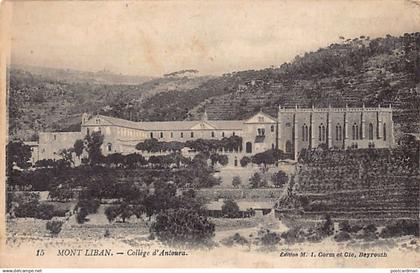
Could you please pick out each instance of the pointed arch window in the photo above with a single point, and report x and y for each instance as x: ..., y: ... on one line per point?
x: 338, y: 132
x: 305, y: 133
x: 355, y: 132
x: 321, y: 132
x: 370, y: 131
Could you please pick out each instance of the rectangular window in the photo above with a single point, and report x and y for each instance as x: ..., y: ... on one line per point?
x: 261, y: 131
x: 182, y: 134
x: 223, y: 134
x: 151, y: 135
x: 192, y: 134
x: 233, y: 133
x: 172, y: 134
x: 161, y: 134
x: 212, y: 134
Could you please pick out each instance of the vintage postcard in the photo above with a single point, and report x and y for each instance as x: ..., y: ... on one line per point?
x: 210, y: 134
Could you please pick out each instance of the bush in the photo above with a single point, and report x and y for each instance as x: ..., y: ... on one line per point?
x: 328, y: 226
x: 245, y: 161
x: 44, y: 212
x: 230, y: 209
x: 235, y: 239
x: 236, y: 181
x: 54, y: 227
x: 183, y: 227
x: 81, y: 215
x: 256, y: 181
x: 279, y: 179
x: 344, y: 226
x: 269, y: 238
x: 401, y: 228
x: 293, y: 235
x: 342, y: 236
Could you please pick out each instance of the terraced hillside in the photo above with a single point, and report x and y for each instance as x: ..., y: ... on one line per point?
x: 362, y: 70
x: 380, y: 71
x: 357, y: 184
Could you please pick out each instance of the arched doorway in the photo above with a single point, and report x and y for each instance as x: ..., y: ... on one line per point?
x: 289, y: 147
x: 248, y: 147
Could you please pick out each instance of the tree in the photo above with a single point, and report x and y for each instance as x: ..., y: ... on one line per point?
x: 54, y: 227
x: 78, y: 147
x: 183, y: 226
x: 230, y: 208
x: 245, y: 161
x: 236, y: 181
x: 256, y: 181
x: 18, y: 153
x: 94, y: 142
x: 67, y: 156
x: 124, y: 211
x: 149, y: 145
x: 279, y: 179
x: 268, y: 157
x: 217, y: 158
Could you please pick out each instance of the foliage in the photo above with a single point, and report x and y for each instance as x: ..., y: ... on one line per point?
x: 94, y: 142
x: 54, y: 227
x: 217, y: 158
x: 124, y: 211
x: 268, y: 157
x: 279, y: 179
x: 183, y: 226
x: 328, y: 227
x: 257, y: 181
x: 236, y: 181
x: 235, y: 239
x: 78, y: 147
x: 400, y: 228
x: 269, y: 238
x: 17, y: 153
x: 230, y: 208
x: 245, y: 161
x: 85, y: 206
x: 342, y: 236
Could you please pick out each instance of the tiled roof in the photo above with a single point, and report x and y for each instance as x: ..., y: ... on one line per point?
x: 170, y: 125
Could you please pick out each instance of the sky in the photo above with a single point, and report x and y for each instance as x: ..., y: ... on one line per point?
x: 215, y: 37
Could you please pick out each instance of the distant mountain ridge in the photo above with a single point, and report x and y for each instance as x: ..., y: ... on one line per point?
x: 78, y: 76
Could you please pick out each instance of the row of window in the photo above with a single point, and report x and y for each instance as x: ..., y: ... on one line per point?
x: 356, y: 133
x: 181, y: 134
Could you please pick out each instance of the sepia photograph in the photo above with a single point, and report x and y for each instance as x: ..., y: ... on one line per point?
x: 210, y: 134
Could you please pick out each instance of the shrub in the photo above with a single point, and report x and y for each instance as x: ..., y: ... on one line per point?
x: 245, y: 161
x: 230, y: 208
x: 269, y: 238
x: 293, y: 235
x: 342, y: 236
x: 328, y: 226
x: 235, y: 239
x: 279, y: 179
x: 401, y: 228
x: 81, y: 215
x: 236, y: 181
x: 256, y: 180
x: 44, y: 211
x: 183, y: 226
x: 54, y: 227
x: 344, y: 226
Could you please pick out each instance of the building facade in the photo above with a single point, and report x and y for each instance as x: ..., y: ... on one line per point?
x: 294, y: 129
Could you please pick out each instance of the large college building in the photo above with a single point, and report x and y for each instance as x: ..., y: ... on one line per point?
x: 291, y: 131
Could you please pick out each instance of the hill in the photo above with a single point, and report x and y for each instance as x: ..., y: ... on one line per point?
x: 375, y: 72
x: 39, y: 102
